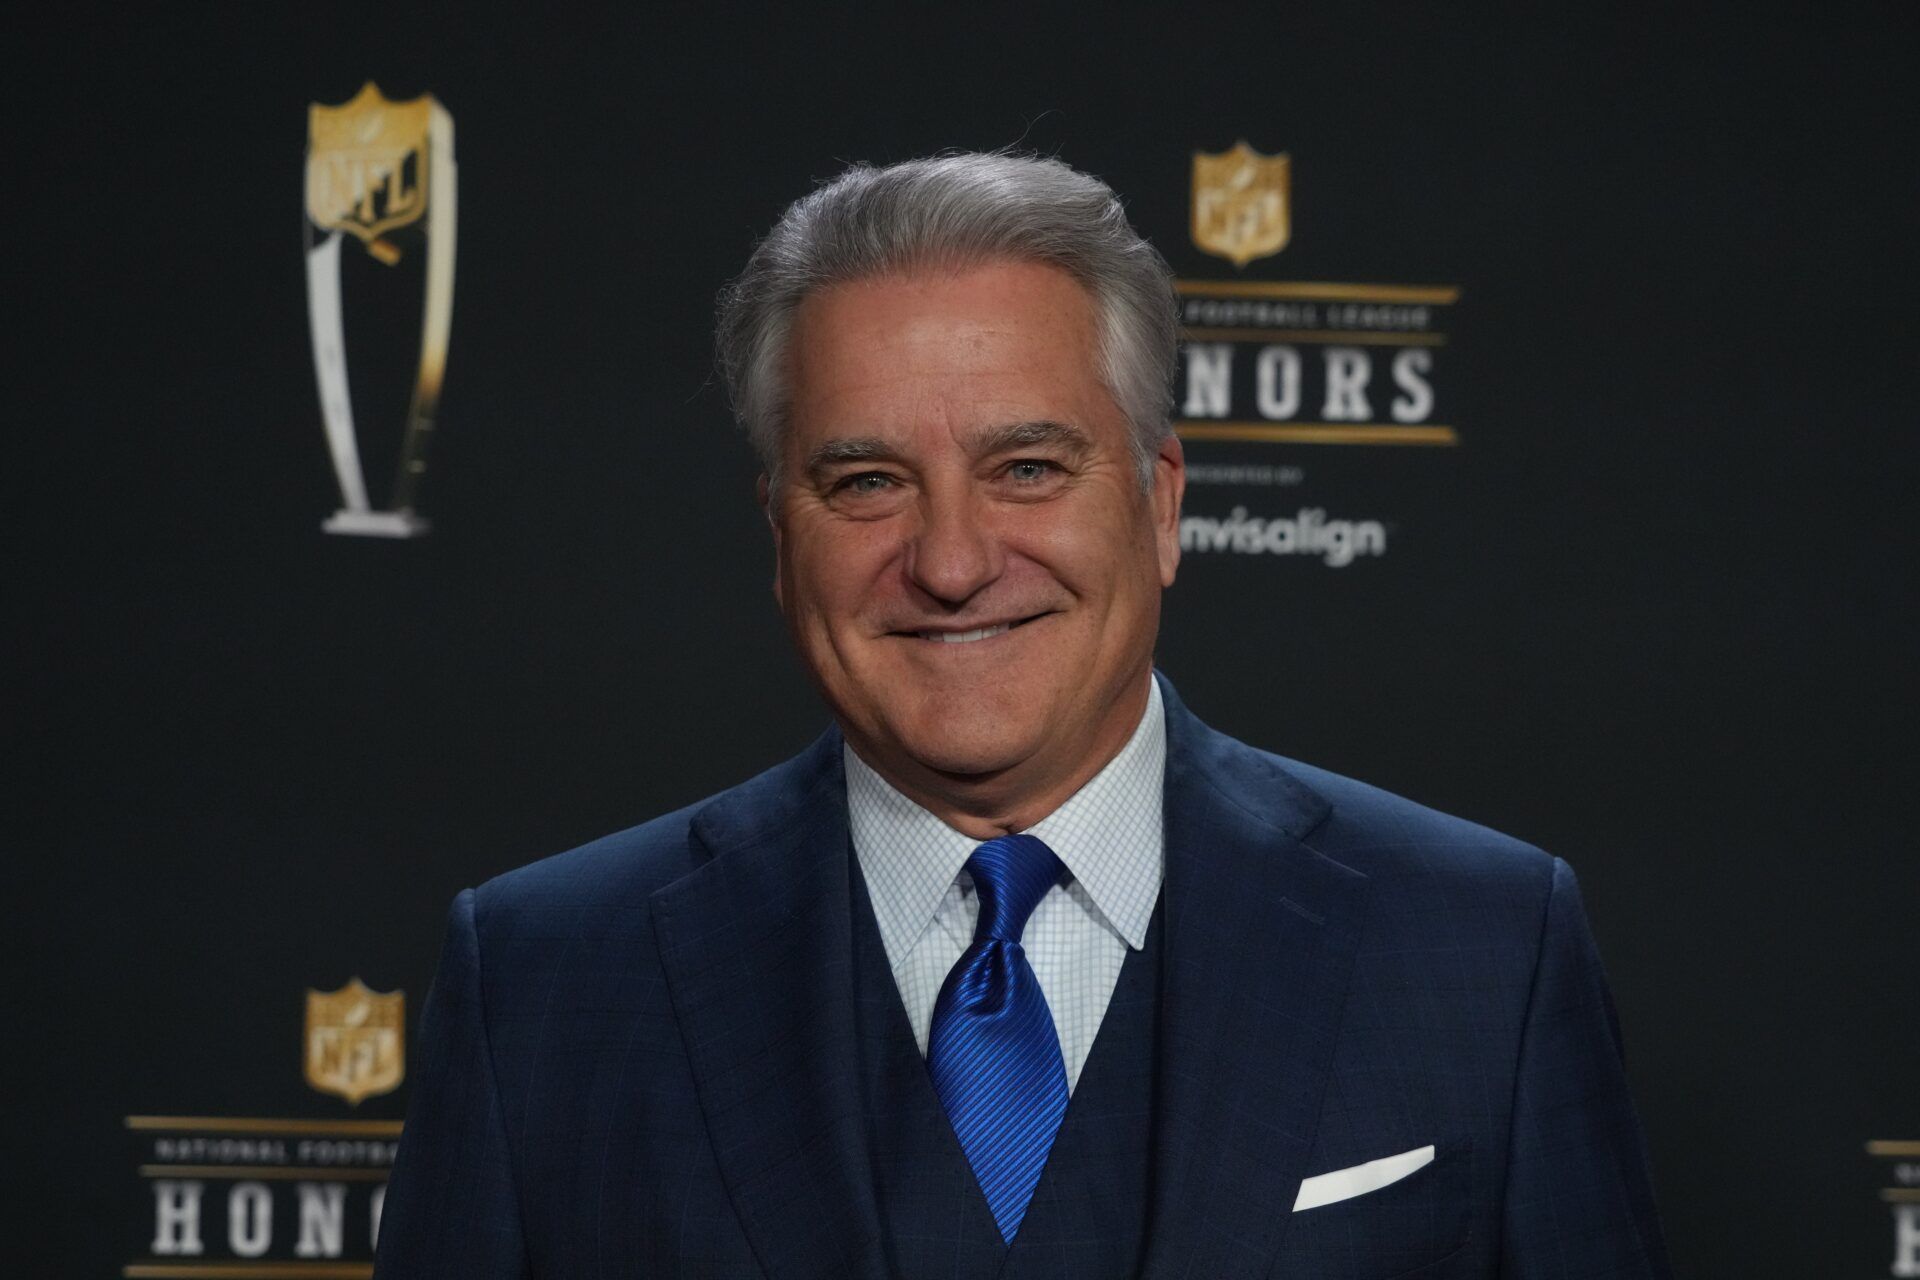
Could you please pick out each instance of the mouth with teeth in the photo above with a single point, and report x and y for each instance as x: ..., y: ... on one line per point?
x: 977, y: 634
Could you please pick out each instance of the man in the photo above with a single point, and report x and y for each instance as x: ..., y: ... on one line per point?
x: 1021, y: 970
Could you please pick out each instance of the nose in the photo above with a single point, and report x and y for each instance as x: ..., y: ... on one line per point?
x: 954, y: 553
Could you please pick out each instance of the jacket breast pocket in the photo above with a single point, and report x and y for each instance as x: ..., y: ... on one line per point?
x: 1389, y: 1231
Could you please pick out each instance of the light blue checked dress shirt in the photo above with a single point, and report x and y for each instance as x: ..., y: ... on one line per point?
x: 1110, y: 837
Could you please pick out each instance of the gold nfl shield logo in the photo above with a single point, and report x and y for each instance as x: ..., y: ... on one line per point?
x: 356, y: 1041
x: 1241, y: 204
x: 367, y: 165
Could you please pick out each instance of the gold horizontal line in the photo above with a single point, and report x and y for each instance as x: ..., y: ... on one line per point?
x: 262, y: 1124
x: 1892, y: 1147
x: 265, y: 1172
x: 1317, y: 433
x: 248, y: 1270
x: 1362, y: 338
x: 1901, y: 1195
x: 1321, y: 291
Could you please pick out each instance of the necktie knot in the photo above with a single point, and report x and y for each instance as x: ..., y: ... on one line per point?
x: 1011, y: 874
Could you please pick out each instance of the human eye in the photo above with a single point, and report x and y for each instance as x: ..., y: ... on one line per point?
x: 865, y: 494
x: 863, y: 484
x: 1029, y: 472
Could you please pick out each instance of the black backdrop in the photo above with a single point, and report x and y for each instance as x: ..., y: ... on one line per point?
x: 1654, y: 612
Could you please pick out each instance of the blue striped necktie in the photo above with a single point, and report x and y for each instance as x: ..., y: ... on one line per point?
x: 993, y: 1050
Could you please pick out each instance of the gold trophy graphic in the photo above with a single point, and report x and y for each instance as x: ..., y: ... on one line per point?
x: 374, y: 167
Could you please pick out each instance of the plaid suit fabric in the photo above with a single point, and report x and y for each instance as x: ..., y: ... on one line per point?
x: 641, y: 1058
x: 1476, y: 1019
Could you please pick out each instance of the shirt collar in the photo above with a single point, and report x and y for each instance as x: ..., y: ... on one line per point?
x: 1109, y: 834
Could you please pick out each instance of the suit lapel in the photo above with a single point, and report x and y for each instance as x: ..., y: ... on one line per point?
x: 756, y: 945
x: 1261, y: 931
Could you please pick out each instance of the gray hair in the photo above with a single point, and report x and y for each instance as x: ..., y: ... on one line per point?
x: 944, y: 212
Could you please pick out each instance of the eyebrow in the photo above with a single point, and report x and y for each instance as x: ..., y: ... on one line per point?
x: 1027, y: 435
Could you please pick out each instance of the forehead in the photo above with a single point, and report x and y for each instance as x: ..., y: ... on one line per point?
x: 957, y: 348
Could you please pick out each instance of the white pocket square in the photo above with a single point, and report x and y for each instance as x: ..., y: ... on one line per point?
x: 1344, y: 1184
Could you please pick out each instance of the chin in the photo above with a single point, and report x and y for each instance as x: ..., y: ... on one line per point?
x: 971, y: 743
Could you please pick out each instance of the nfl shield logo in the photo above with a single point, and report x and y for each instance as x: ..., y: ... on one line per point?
x: 1241, y: 204
x: 356, y: 1041
x: 367, y: 166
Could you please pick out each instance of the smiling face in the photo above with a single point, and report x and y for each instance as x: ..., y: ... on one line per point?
x: 967, y: 561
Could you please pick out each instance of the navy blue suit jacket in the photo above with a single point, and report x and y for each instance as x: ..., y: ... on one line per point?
x: 635, y: 1057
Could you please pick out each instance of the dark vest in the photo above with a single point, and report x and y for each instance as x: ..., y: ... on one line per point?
x: 1088, y: 1216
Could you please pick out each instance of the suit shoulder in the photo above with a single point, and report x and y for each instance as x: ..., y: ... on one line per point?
x: 1383, y: 834
x: 615, y: 872
x: 1372, y: 831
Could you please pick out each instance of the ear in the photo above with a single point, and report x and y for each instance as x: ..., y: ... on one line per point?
x: 1169, y: 488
